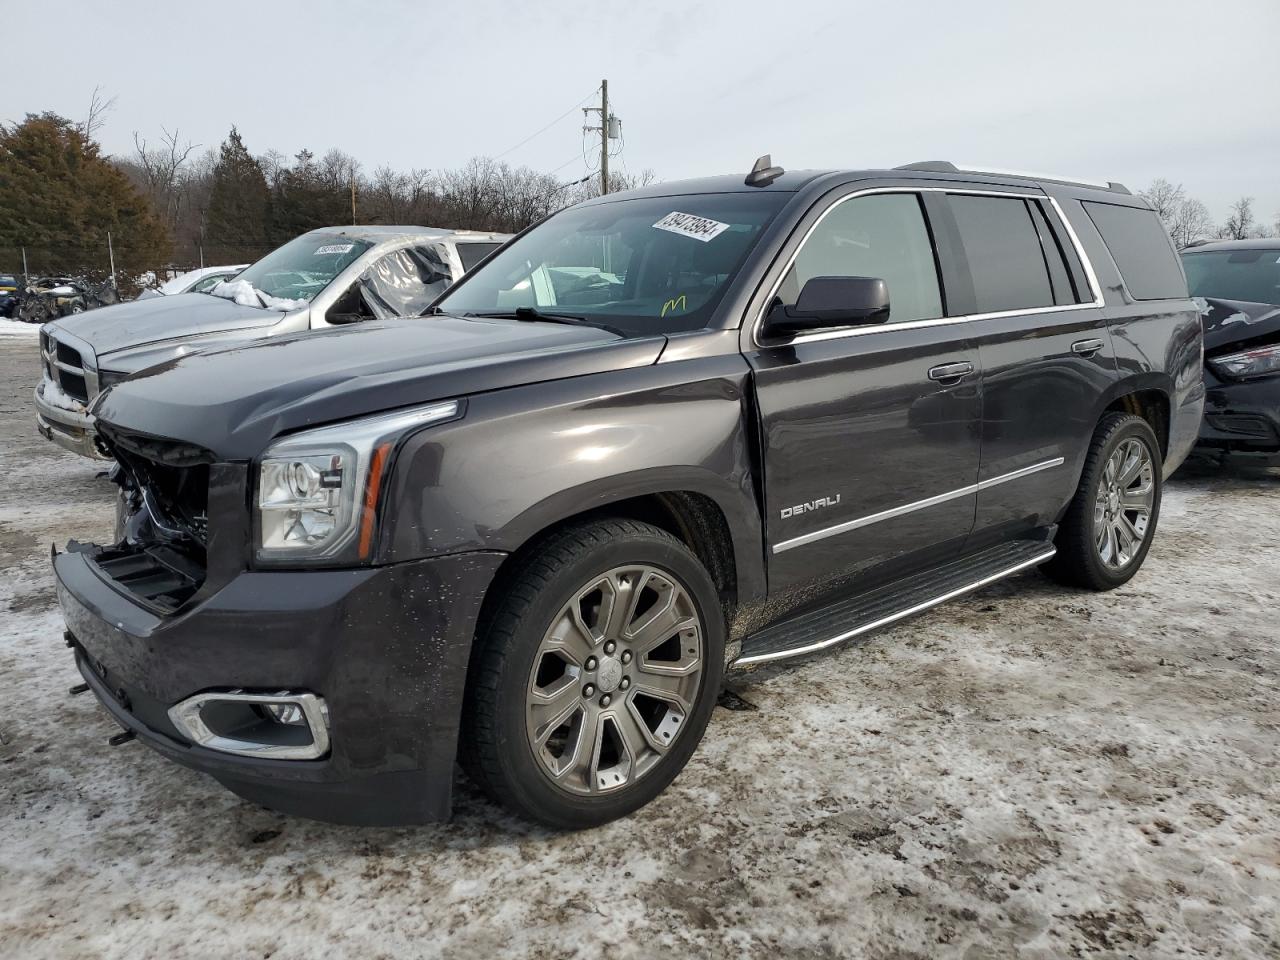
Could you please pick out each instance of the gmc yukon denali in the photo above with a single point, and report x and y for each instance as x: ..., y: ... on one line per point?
x: 661, y: 434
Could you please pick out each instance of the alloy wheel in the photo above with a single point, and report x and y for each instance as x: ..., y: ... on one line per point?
x: 1124, y: 502
x: 615, y: 679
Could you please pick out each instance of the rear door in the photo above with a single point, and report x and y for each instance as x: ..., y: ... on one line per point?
x: 1046, y: 353
x: 870, y: 448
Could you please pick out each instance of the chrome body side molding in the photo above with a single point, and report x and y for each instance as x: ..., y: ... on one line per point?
x: 906, y: 508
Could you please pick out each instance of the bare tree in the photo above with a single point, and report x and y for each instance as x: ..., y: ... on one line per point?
x: 1190, y: 222
x: 1240, y: 224
x: 162, y: 171
x: 99, y: 105
x: 1186, y: 218
x: 1164, y: 197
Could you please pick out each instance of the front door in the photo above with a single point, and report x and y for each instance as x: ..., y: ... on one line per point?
x: 871, y: 435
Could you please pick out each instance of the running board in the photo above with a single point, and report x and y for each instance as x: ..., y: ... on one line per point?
x: 851, y: 617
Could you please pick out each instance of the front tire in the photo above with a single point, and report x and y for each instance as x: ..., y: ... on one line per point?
x: 1109, y: 525
x: 594, y: 676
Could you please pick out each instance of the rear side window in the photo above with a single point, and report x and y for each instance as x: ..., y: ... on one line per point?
x: 1006, y: 257
x: 1141, y: 249
x: 472, y: 253
x: 883, y: 236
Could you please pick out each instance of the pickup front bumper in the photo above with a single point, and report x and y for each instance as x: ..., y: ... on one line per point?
x: 385, y: 647
x: 70, y: 429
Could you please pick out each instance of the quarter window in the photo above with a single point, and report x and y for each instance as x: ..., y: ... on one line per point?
x: 472, y: 253
x: 880, y: 235
x: 1006, y: 259
x: 1141, y: 249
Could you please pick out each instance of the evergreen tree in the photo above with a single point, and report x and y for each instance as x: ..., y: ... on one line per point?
x: 59, y: 197
x: 236, y: 222
x: 306, y: 196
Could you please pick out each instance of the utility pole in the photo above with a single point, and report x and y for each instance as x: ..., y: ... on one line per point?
x: 604, y: 137
x: 112, y: 254
x: 25, y: 278
x: 353, y: 194
x: 608, y: 131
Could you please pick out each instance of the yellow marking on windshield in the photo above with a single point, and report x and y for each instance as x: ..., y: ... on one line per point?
x: 678, y: 303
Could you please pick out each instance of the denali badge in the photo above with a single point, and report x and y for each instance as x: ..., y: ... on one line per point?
x: 818, y: 504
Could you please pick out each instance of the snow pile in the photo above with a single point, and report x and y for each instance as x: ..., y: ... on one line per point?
x: 16, y: 328
x: 244, y: 293
x: 52, y: 393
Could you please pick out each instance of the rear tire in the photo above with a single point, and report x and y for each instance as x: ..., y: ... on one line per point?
x: 594, y: 676
x: 1109, y: 525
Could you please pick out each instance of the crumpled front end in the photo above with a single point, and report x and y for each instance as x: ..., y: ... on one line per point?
x: 328, y: 693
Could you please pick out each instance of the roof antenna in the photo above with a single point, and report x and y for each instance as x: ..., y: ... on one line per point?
x: 763, y: 173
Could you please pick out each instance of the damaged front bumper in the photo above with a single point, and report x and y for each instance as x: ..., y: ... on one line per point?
x: 1241, y: 416
x: 70, y: 429
x: 384, y: 648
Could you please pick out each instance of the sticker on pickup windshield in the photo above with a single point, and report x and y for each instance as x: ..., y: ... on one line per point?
x: 687, y: 225
x: 334, y: 248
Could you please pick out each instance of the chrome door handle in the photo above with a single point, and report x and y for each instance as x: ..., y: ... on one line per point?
x: 1086, y: 348
x: 951, y: 372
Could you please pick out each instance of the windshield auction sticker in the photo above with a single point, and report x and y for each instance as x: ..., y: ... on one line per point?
x: 334, y: 248
x: 687, y: 225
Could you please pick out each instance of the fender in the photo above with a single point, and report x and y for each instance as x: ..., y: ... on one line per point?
x: 526, y: 458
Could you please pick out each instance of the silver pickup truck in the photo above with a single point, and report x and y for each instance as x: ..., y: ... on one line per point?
x: 327, y: 277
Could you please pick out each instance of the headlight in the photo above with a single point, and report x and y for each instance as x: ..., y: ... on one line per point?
x: 1257, y: 362
x: 318, y: 490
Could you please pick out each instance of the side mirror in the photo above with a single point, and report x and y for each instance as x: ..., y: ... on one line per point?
x: 826, y: 302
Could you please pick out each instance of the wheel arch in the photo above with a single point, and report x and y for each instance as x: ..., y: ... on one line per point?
x: 1148, y: 400
x: 716, y: 525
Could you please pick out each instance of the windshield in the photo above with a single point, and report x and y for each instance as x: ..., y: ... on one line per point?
x: 644, y: 266
x: 300, y: 269
x: 1252, y: 275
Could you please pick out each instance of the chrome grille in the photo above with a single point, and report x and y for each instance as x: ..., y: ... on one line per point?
x: 64, y: 365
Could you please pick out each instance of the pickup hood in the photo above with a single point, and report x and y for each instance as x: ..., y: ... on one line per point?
x: 235, y: 401
x: 140, y: 322
x: 1238, y: 323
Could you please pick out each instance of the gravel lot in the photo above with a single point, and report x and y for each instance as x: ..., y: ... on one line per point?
x: 1029, y: 772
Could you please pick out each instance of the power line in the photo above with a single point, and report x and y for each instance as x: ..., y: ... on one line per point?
x: 542, y: 130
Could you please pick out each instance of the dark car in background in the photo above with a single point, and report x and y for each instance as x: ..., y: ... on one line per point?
x: 8, y: 294
x: 663, y: 432
x: 1239, y: 282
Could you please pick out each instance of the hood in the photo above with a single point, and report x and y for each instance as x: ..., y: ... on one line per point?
x: 140, y: 322
x: 235, y: 401
x: 1237, y: 323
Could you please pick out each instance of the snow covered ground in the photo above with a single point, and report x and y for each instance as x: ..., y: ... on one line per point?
x: 16, y: 328
x: 1030, y: 772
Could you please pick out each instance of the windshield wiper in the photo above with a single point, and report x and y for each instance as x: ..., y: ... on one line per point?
x: 532, y: 314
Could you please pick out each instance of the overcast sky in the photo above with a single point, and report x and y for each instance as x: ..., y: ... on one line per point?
x: 1124, y: 90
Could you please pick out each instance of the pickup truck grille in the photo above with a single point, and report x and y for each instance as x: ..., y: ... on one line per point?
x: 64, y: 365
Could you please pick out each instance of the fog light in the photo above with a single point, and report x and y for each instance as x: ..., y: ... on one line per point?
x: 286, y: 713
x: 281, y: 725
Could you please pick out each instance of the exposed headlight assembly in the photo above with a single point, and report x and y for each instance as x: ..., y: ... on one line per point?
x: 317, y: 493
x: 1258, y: 362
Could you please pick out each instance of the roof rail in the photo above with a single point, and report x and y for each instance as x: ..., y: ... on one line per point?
x: 946, y: 166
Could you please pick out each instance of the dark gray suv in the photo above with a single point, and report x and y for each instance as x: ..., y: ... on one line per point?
x: 663, y: 433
